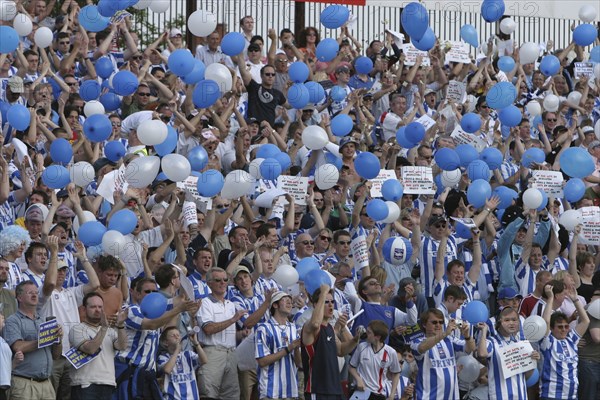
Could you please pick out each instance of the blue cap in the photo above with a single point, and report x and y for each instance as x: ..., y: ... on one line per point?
x: 508, y: 293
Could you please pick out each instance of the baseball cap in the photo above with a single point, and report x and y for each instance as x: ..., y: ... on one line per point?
x: 278, y: 296
x: 508, y: 293
x: 587, y: 129
x: 238, y: 269
x: 435, y: 219
x: 252, y: 120
x: 175, y: 32
x: 102, y: 162
x: 16, y: 84
x: 342, y: 68
x: 346, y: 140
x: 429, y: 91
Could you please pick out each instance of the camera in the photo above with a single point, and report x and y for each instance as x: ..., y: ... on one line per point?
x: 459, y: 322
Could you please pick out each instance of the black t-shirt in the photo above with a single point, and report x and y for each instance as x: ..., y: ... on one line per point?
x: 262, y: 102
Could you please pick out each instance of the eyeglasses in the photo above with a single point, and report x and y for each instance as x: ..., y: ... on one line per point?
x: 437, y: 322
x: 150, y: 291
x: 329, y: 302
x: 137, y: 57
x: 327, y: 238
x: 144, y: 94
x: 551, y: 119
x: 269, y: 74
x: 343, y: 242
x: 220, y: 206
x: 282, y: 60
x: 438, y: 226
x: 219, y: 280
x: 115, y: 123
x: 253, y: 50
x: 71, y: 83
x: 308, y: 242
x: 484, y: 106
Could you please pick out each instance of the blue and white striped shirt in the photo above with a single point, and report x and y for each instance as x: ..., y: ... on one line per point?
x: 502, y: 388
x: 428, y: 257
x: 559, y: 373
x: 142, y: 345
x: 181, y: 382
x: 201, y: 289
x: 525, y: 276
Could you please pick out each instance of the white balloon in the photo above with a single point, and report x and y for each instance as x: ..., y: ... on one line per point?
x: 529, y: 53
x: 113, y: 243
x: 87, y: 216
x: 285, y: 275
x: 597, y: 129
x: 534, y: 108
x: 43, y: 37
x: 597, y: 70
x: 451, y: 178
x: 176, y: 167
x: 93, y: 107
x: 587, y: 13
x: 326, y: 176
x: 535, y: 328
x: 551, y: 103
x: 570, y: 219
x: 202, y: 23
x: 160, y: 6
x: 393, y: 212
x: 23, y: 24
x: 82, y: 173
x: 532, y: 198
x: 594, y: 309
x: 470, y: 369
x: 574, y: 98
x: 152, y: 132
x: 314, y: 137
x: 237, y: 183
x: 220, y: 74
x: 141, y: 171
x: 142, y: 4
x: 254, y: 168
x: 508, y: 26
x: 8, y: 10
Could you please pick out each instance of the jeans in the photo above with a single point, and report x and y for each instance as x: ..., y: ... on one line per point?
x: 92, y: 392
x: 589, y: 378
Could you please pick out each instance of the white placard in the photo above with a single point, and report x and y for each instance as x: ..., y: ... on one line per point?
x: 462, y: 137
x: 296, y: 186
x: 551, y: 182
x: 459, y: 52
x: 426, y: 121
x: 468, y: 222
x: 384, y: 175
x: 456, y: 91
x: 187, y: 286
x: 190, y: 185
x: 411, y: 53
x: 189, y: 213
x: 590, y: 221
x: 360, y: 253
x: 398, y: 37
x: 112, y: 182
x: 417, y: 180
x: 584, y: 69
x: 515, y: 358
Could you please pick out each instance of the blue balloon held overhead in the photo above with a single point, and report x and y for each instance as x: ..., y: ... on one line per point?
x: 210, y: 183
x: 341, y: 125
x: 169, y: 144
x: 466, y: 154
x: 415, y: 20
x: 91, y: 232
x: 478, y: 169
x: 492, y: 157
x: 125, y: 83
x: 107, y: 8
x: 314, y: 279
x: 392, y: 190
x: 298, y: 96
x: 447, y: 159
x: 595, y: 55
x: 577, y: 162
x: 506, y: 195
x: 153, y: 305
x: 233, y: 43
x: 110, y: 101
x: 585, y: 34
x: 267, y: 150
x: 298, y: 72
x: 56, y: 177
x: 104, y: 67
x: 338, y: 93
x: 114, y: 150
x: 334, y: 16
x: 397, y: 250
x: 91, y: 19
x: 363, y: 65
x: 462, y: 231
x: 492, y: 10
x: 97, y: 128
x: 475, y: 312
x: 414, y: 132
x: 123, y: 221
x: 284, y: 160
x: 533, y: 155
x: 181, y: 62
x: 501, y: 95
x: 9, y: 39
x: 506, y: 64
x: 574, y: 190
x: 90, y: 90
x: 206, y: 93
x: 61, y: 151
x: 426, y: 42
x: 469, y: 35
x: 550, y: 65
x: 316, y: 93
x: 198, y: 158
x: 270, y: 169
x: 367, y: 165
x: 544, y: 200
x: 479, y: 192
x: 327, y: 49
x: 196, y: 74
x: 470, y: 122
x: 377, y: 209
x: 403, y: 140
x: 305, y: 266
x: 18, y: 117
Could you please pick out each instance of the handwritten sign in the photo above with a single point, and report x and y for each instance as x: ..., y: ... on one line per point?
x: 190, y: 186
x: 417, y: 180
x: 584, y: 69
x: 456, y: 91
x: 590, y: 221
x: 360, y: 253
x: 515, y: 359
x: 459, y: 52
x: 384, y: 175
x: 78, y: 358
x: 411, y: 53
x: 296, y: 186
x: 190, y: 215
x: 549, y: 181
x: 462, y: 137
x: 426, y: 121
x: 113, y: 182
x: 48, y: 334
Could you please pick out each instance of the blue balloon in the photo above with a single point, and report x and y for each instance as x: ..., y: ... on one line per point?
x: 338, y: 93
x: 363, y: 65
x: 123, y: 221
x: 206, y: 93
x: 56, y: 177
x: 104, y: 67
x: 533, y: 155
x: 447, y: 159
x: 316, y: 93
x: 585, y: 34
x: 397, y: 250
x: 114, y: 150
x: 506, y: 195
x: 153, y: 305
x: 210, y: 183
x: 332, y: 159
x: 90, y: 233
x: 462, y: 231
x: 9, y: 39
x: 492, y: 157
x: 469, y: 35
x: 334, y: 16
x: 475, y: 312
x: 197, y: 73
x: 327, y: 49
x: 90, y: 90
x: 169, y: 144
x: 97, y: 128
x: 298, y: 72
x: 18, y: 117
x: 574, y: 190
x: 506, y: 64
x: 478, y: 193
x: 534, y: 378
x: 267, y: 150
x: 427, y: 42
x: 110, y: 101
x: 341, y: 125
x: 366, y: 165
x: 550, y: 65
x: 181, y: 62
x: 4, y: 109
x: 314, y: 279
x: 403, y: 140
x: 470, y: 122
x: 107, y: 8
x: 415, y: 20
x: 576, y: 162
x: 198, y: 158
x: 284, y: 160
x: 492, y: 10
x: 91, y: 19
x: 61, y: 151
x: 466, y: 154
x: 233, y: 43
x: 298, y: 96
x: 270, y: 169
x: 125, y: 83
x: 377, y: 209
x: 544, y: 200
x: 306, y: 265
x: 595, y: 55
x: 414, y: 132
x: 478, y: 169
x: 392, y: 190
x: 501, y: 95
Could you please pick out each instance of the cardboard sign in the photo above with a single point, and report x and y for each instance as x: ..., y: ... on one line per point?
x: 189, y: 213
x: 590, y: 221
x: 459, y: 52
x: 462, y: 137
x: 48, y: 334
x: 190, y: 185
x: 515, y: 358
x: 384, y: 175
x: 296, y: 186
x: 551, y: 182
x: 411, y: 53
x: 417, y: 180
x: 360, y: 253
x: 584, y: 69
x: 78, y: 358
x: 456, y: 91
x: 113, y: 182
x: 426, y: 121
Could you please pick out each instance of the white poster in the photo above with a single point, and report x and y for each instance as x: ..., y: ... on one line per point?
x: 384, y: 175
x: 112, y: 182
x: 462, y: 137
x: 456, y: 91
x: 584, y: 69
x: 459, y: 52
x: 296, y: 186
x: 590, y: 221
x: 515, y: 358
x: 360, y: 253
x: 417, y: 180
x: 551, y: 182
x: 411, y: 53
x: 190, y: 185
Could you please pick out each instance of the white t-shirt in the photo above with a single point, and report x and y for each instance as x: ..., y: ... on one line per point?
x: 101, y: 370
x: 62, y: 304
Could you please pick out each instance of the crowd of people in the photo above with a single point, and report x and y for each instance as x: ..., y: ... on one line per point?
x: 81, y: 317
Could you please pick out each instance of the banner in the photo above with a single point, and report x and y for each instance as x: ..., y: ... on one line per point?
x: 515, y: 358
x: 48, y: 334
x: 347, y: 2
x: 78, y: 358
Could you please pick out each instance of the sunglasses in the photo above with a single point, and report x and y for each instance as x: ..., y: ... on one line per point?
x: 282, y: 60
x: 327, y: 238
x: 329, y: 302
x: 115, y: 123
x: 71, y: 83
x: 220, y: 206
x: 307, y: 242
x: 137, y: 57
x: 150, y: 291
x: 343, y: 242
x: 269, y: 74
x: 254, y: 51
x: 551, y: 120
x: 219, y: 280
x: 484, y: 106
x: 438, y: 226
x: 144, y: 94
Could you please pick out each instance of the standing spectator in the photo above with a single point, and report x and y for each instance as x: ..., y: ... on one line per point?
x: 529, y: 302
x: 7, y: 297
x: 211, y: 53
x: 13, y: 242
x: 203, y: 262
x: 6, y: 362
